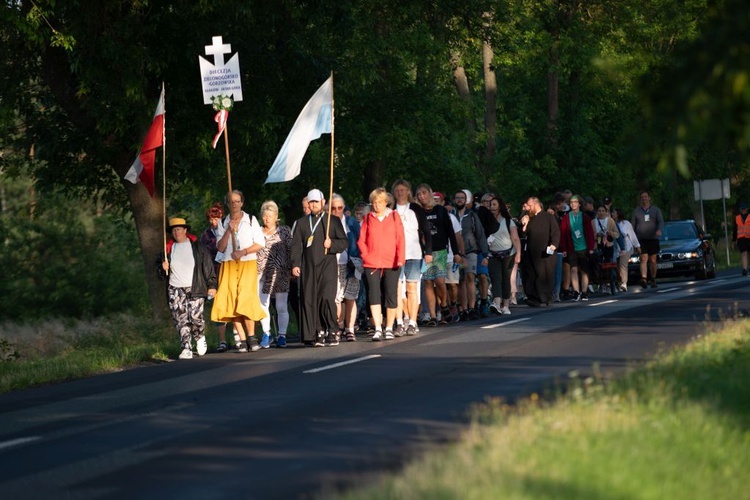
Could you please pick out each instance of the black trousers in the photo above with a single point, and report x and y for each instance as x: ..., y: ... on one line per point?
x: 318, y: 298
x: 539, y: 278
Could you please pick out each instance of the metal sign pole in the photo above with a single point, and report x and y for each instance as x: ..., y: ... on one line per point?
x: 724, y: 206
x: 700, y: 195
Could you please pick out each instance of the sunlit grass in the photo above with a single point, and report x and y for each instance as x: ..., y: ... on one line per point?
x: 674, y: 428
x: 49, y: 352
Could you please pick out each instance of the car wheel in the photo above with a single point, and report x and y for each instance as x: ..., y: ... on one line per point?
x: 703, y: 273
x: 712, y: 269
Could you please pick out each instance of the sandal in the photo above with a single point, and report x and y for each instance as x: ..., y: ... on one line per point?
x: 350, y: 337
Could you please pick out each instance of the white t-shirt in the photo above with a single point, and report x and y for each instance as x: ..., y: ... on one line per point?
x: 248, y: 234
x: 457, y: 230
x: 181, y: 265
x: 501, y: 240
x: 411, y: 231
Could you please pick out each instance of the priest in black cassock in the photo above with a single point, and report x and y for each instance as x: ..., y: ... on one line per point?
x: 314, y: 263
x: 542, y: 240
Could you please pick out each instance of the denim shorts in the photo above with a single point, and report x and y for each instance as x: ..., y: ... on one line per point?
x: 412, y: 270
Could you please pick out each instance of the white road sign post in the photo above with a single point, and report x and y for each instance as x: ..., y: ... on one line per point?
x: 713, y: 189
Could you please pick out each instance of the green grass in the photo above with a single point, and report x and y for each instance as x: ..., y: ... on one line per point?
x: 721, y: 256
x: 678, y: 427
x: 54, y: 351
x: 51, y: 352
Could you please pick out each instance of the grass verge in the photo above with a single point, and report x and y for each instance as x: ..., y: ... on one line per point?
x: 677, y: 427
x: 49, y: 352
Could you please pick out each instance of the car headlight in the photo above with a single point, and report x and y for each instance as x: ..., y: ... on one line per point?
x: 688, y: 255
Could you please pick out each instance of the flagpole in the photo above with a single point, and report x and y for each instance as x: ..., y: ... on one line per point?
x: 229, y: 178
x: 330, y: 191
x: 164, y: 169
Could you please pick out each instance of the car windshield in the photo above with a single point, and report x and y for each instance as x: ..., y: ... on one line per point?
x: 679, y: 231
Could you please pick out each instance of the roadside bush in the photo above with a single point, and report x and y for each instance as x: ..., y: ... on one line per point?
x: 68, y: 262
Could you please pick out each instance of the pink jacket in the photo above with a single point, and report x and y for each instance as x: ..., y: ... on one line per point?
x: 381, y: 243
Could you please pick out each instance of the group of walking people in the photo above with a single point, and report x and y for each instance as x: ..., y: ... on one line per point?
x: 405, y: 260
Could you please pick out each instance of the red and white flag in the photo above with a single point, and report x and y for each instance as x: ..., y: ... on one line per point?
x: 143, y: 166
x: 221, y: 123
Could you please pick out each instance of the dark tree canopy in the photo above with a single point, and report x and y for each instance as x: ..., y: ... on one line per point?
x: 589, y: 96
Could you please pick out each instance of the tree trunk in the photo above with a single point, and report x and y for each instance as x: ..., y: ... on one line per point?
x: 461, y: 81
x: 374, y: 173
x: 149, y: 223
x: 490, y: 109
x: 553, y: 92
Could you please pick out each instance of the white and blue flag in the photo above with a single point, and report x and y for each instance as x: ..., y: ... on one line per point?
x: 315, y: 119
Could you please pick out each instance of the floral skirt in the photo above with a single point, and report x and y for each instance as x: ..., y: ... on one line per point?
x: 238, y: 292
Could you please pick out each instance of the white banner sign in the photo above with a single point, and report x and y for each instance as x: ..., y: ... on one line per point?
x: 711, y: 189
x: 219, y: 78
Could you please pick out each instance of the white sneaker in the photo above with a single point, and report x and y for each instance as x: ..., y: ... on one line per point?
x: 378, y: 336
x: 388, y: 335
x: 186, y: 353
x: 202, y: 346
x: 505, y: 310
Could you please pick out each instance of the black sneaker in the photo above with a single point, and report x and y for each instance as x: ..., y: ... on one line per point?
x: 222, y: 347
x: 744, y: 272
x: 242, y: 346
x: 644, y: 283
x: 445, y: 313
x: 400, y: 331
x: 321, y: 340
x: 653, y: 283
x: 411, y: 330
x: 334, y: 338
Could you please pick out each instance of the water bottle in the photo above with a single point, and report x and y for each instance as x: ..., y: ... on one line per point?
x: 455, y: 267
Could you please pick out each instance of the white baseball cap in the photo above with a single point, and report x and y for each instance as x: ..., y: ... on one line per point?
x: 315, y: 195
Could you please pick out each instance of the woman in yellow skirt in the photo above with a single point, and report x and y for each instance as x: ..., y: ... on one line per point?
x: 239, y: 238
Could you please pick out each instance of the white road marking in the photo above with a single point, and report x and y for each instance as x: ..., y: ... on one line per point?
x: 610, y: 301
x: 343, y: 363
x: 505, y: 323
x: 668, y: 290
x: 16, y: 442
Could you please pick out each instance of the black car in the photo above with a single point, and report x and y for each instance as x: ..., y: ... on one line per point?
x: 686, y: 250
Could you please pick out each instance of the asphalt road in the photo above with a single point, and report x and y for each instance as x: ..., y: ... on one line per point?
x: 303, y: 422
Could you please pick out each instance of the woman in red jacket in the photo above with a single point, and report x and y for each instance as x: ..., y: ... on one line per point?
x: 381, y: 244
